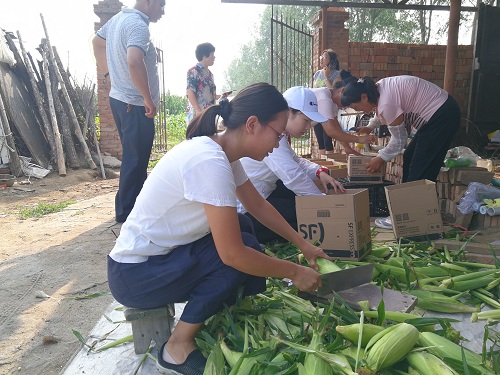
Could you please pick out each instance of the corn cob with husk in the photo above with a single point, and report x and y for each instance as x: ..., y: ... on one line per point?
x: 469, y: 281
x: 351, y: 332
x: 489, y: 314
x: 325, y: 266
x: 441, y: 303
x: 428, y: 364
x: 444, y: 348
x: 314, y: 364
x: 380, y: 251
x: 389, y: 347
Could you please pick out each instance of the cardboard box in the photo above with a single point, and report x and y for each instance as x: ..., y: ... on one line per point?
x: 339, y: 224
x: 337, y: 171
x: 414, y: 209
x: 356, y: 170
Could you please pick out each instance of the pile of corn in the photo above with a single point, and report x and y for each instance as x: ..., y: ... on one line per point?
x: 278, y: 332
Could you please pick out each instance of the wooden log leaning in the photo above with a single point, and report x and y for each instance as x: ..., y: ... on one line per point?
x: 93, y: 130
x: 75, y: 102
x: 15, y: 162
x: 62, y: 119
x: 55, y: 143
x: 50, y: 100
x: 76, y: 126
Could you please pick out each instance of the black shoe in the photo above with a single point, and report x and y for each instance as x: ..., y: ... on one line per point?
x: 193, y: 365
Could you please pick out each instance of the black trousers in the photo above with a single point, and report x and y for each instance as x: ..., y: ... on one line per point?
x: 425, y: 154
x: 136, y: 135
x: 325, y: 142
x: 283, y: 200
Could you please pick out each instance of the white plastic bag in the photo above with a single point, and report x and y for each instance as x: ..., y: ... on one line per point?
x: 475, y: 195
x: 32, y: 170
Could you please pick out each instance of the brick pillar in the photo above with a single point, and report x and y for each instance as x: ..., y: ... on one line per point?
x: 329, y: 32
x: 331, y: 21
x: 109, y: 140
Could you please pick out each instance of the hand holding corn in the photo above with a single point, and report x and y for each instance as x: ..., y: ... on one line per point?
x: 306, y: 279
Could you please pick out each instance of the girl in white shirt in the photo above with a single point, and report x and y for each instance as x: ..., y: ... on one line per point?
x: 283, y: 174
x: 184, y: 240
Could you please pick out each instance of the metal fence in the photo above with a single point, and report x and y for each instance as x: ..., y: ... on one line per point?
x: 161, y: 134
x: 291, y: 63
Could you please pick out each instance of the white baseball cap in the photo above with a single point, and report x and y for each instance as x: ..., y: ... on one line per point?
x: 303, y: 99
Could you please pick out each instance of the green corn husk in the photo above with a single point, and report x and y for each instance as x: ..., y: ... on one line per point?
x: 314, y: 364
x: 232, y: 357
x: 381, y: 251
x: 432, y: 271
x: 351, y: 351
x: 443, y: 348
x: 390, y: 346
x: 215, y: 362
x: 489, y: 314
x: 428, y: 364
x: 395, y: 316
x: 351, y: 332
x: 397, y: 272
x: 440, y: 303
x: 472, y: 280
x: 325, y: 266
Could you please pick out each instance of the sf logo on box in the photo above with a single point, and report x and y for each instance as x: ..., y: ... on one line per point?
x: 313, y: 232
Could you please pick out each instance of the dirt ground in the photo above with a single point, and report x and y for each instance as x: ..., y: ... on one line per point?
x: 63, y: 255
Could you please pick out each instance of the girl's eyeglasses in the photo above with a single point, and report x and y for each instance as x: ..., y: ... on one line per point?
x: 280, y: 135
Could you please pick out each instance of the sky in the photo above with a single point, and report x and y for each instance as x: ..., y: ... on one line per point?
x: 186, y: 24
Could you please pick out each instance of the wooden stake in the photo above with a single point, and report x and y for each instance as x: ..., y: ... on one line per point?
x: 61, y: 112
x: 55, y: 128
x: 72, y: 114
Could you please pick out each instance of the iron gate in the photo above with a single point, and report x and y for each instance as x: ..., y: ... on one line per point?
x: 161, y: 135
x: 291, y: 63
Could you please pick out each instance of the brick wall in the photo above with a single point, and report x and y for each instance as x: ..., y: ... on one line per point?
x: 110, y: 140
x: 379, y: 60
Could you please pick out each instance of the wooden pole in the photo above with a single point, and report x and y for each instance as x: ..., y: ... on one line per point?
x: 9, y: 139
x: 88, y: 110
x: 452, y: 47
x: 62, y: 118
x: 94, y: 131
x: 77, y: 105
x: 61, y: 166
x: 56, y: 150
x: 72, y: 114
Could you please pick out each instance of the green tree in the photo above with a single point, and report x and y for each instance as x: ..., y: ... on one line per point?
x: 174, y: 104
x: 254, y: 62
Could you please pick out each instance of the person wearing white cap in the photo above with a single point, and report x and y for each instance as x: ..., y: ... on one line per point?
x: 328, y: 106
x: 282, y: 175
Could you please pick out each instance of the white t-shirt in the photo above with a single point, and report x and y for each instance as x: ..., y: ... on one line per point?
x: 326, y: 107
x: 415, y: 98
x: 169, y: 210
x: 282, y: 164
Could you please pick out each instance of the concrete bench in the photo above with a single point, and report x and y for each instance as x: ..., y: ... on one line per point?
x: 150, y: 324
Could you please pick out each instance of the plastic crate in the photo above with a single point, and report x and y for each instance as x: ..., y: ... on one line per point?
x: 376, y: 193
